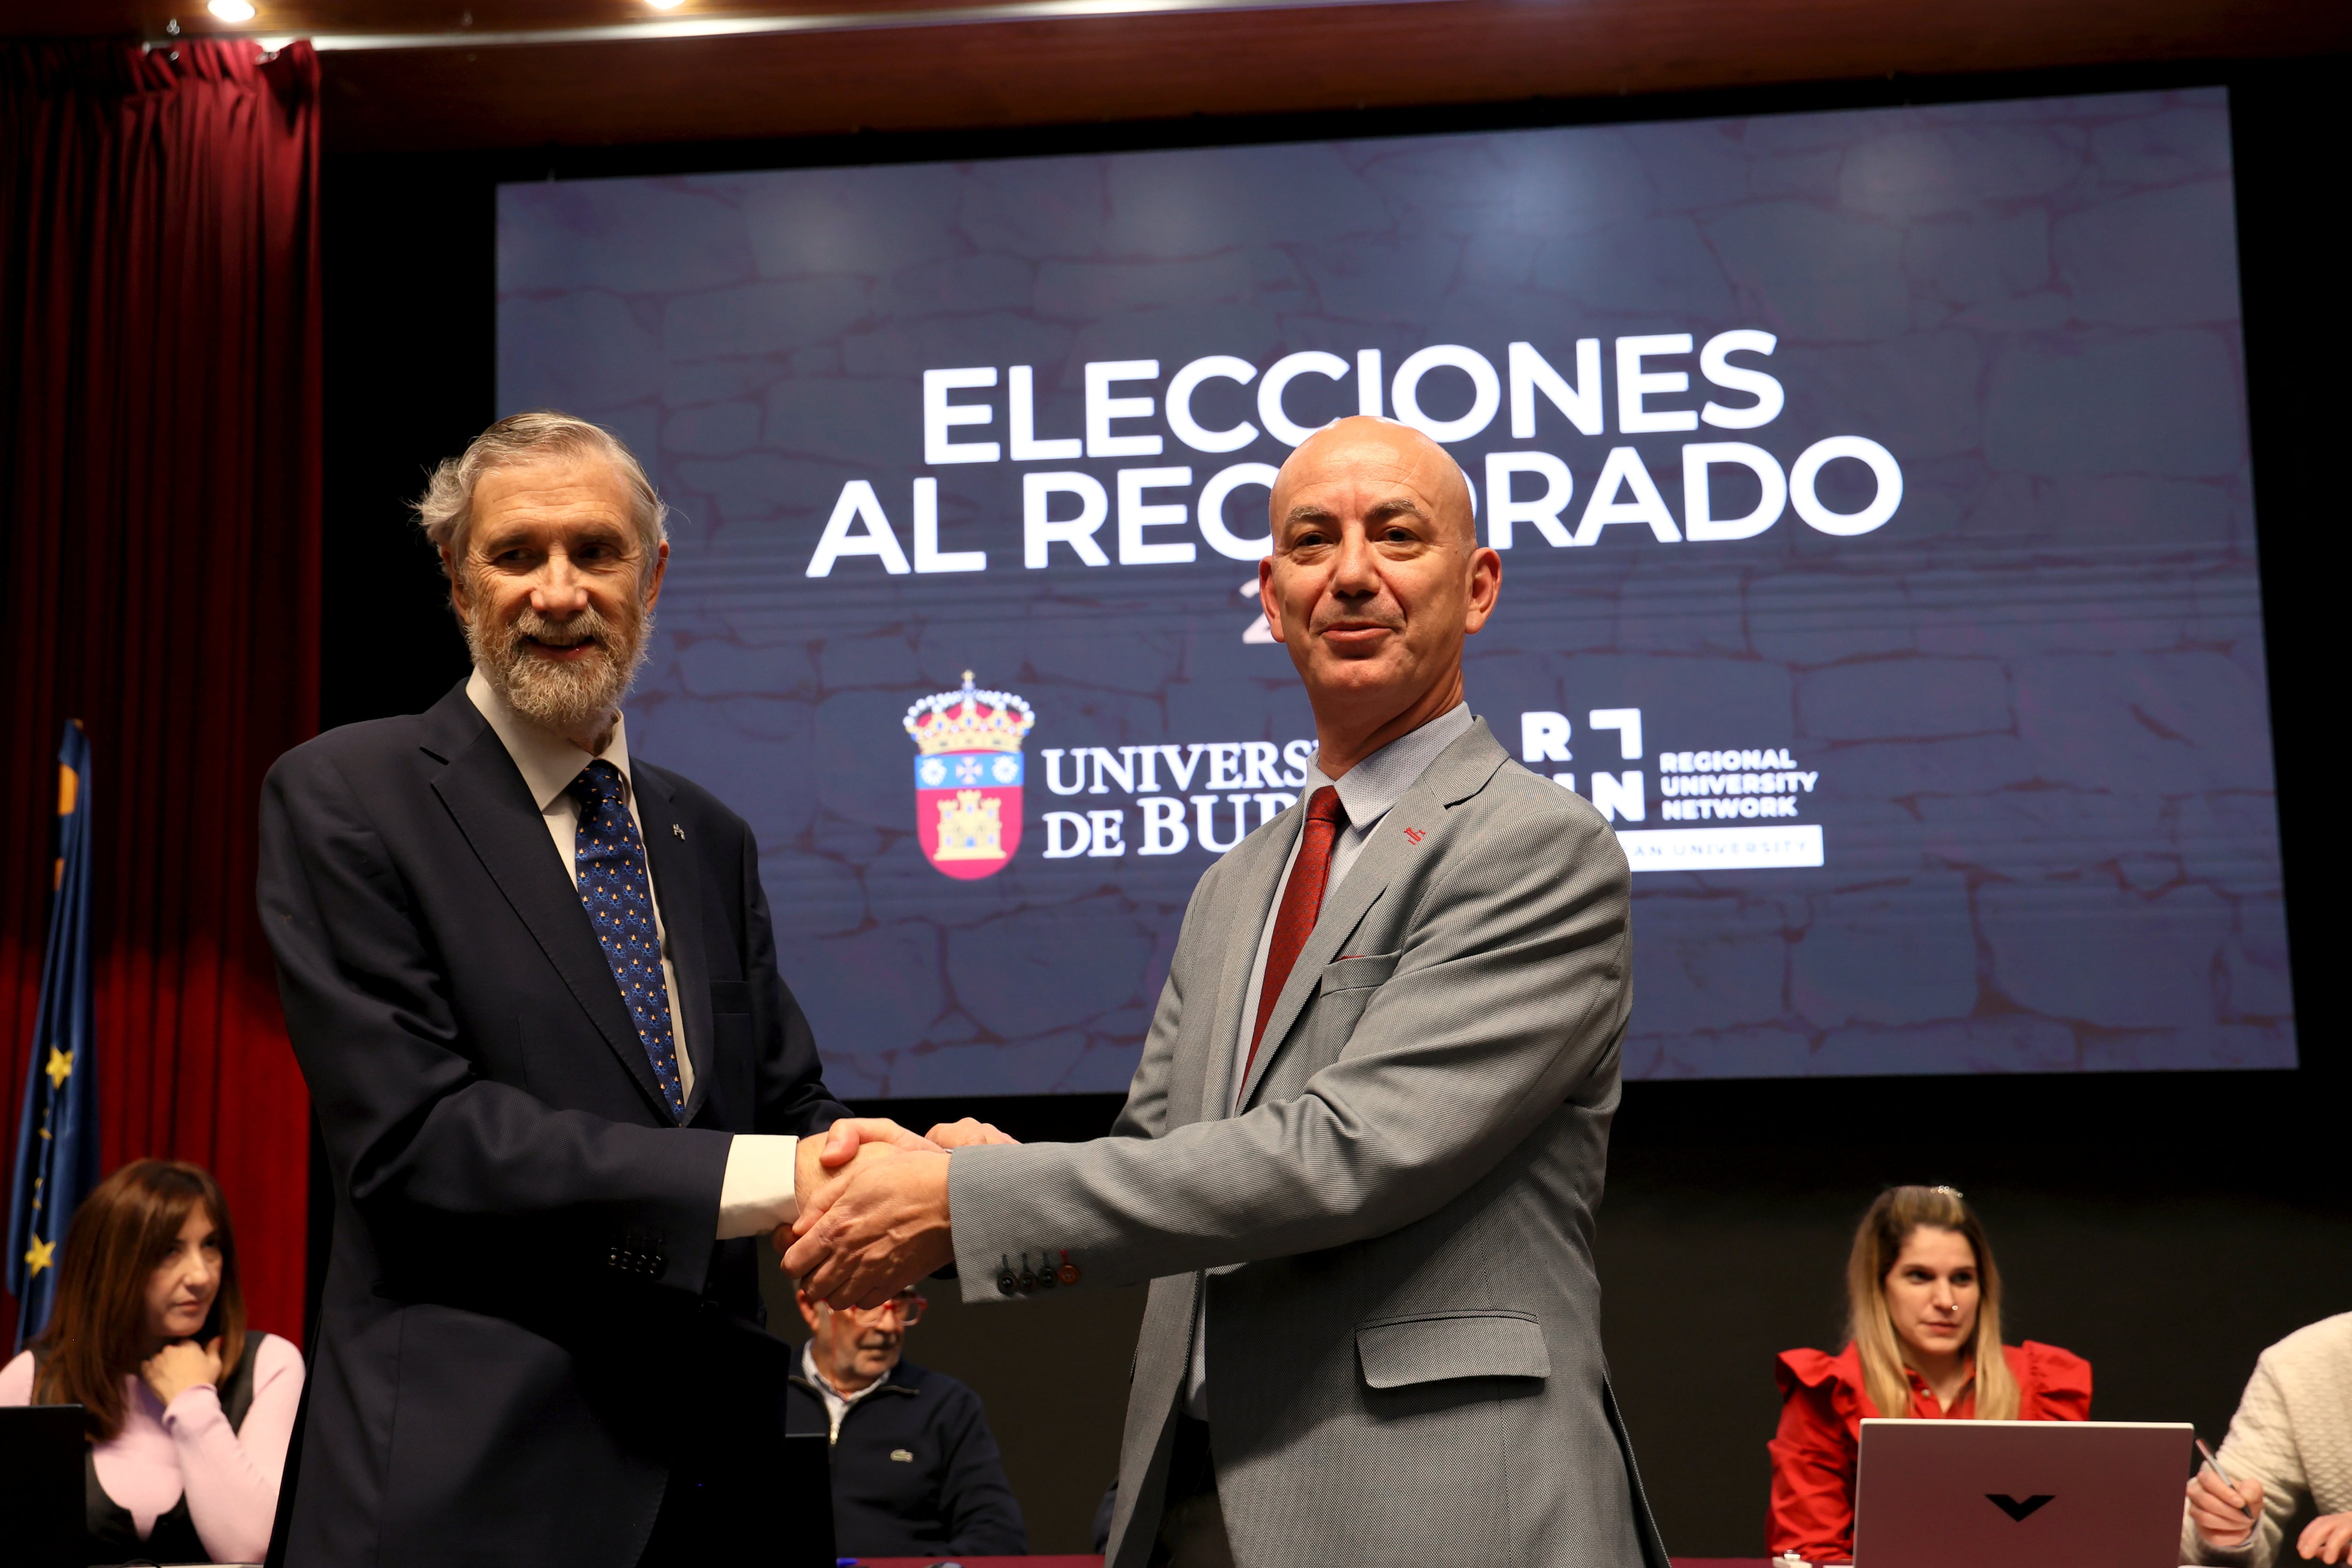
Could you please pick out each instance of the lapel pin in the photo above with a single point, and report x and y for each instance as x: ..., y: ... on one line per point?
x: 674, y: 827
x: 1415, y: 834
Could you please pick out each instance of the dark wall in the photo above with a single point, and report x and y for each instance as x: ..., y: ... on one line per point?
x: 2162, y: 1227
x: 411, y: 318
x: 2167, y: 1226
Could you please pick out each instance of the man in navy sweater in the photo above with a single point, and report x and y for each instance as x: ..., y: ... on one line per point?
x: 915, y: 1467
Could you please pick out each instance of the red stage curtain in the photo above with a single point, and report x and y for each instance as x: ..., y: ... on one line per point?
x: 158, y: 580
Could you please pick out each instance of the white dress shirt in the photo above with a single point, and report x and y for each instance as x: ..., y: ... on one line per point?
x: 756, y: 1195
x: 1367, y: 791
x: 837, y: 1403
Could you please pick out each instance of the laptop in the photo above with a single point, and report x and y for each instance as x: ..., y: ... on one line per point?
x: 41, y: 1487
x: 2020, y: 1494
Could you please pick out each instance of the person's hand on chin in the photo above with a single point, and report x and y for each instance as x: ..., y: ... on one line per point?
x: 180, y: 1366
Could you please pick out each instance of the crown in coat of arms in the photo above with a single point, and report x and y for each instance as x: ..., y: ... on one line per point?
x: 968, y: 720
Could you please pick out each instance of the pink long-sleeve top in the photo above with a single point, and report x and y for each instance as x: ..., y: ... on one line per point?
x: 229, y: 1476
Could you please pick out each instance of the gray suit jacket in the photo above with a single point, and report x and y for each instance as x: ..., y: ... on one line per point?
x: 1395, y: 1231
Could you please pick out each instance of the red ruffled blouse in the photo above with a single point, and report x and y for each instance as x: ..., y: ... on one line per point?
x: 1821, y: 1407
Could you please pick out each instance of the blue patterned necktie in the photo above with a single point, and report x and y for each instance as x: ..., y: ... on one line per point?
x: 611, y: 860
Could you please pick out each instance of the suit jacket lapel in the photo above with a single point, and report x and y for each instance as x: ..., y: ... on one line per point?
x: 1203, y: 1089
x: 1368, y: 878
x: 677, y: 883
x: 493, y: 808
x: 1456, y: 774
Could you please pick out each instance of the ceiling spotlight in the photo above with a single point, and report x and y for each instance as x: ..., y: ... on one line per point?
x: 231, y: 10
x: 662, y: 5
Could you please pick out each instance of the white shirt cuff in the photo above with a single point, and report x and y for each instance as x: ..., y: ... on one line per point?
x: 757, y: 1193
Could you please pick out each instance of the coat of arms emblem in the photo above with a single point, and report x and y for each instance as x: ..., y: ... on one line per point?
x: 968, y: 778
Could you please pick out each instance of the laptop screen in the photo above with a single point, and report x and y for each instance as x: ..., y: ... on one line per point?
x: 2020, y: 1494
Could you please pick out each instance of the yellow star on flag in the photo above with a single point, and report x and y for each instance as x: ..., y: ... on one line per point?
x: 60, y: 1067
x: 42, y: 1255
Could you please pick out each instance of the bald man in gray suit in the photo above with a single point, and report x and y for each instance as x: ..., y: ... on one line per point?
x: 1361, y: 1157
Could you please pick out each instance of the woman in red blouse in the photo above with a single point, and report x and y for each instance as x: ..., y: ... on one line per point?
x: 1925, y: 1301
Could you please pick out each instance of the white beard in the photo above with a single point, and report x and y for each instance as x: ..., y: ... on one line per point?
x: 572, y: 698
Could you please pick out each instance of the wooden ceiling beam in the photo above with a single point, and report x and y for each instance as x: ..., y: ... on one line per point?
x: 1012, y: 74
x: 987, y: 76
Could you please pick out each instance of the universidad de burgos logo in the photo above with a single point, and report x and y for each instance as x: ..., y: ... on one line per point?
x: 968, y: 778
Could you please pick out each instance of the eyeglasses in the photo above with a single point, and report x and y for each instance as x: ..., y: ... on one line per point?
x: 910, y: 1307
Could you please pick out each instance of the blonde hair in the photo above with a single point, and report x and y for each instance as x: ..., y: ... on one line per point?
x: 1877, y: 1243
x: 445, y: 509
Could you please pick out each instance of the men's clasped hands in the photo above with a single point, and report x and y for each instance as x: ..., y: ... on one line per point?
x: 873, y: 1213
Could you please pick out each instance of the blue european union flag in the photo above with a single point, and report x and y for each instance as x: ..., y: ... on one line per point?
x: 56, y: 1139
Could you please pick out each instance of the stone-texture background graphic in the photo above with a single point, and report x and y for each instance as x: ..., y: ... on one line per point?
x: 2033, y: 700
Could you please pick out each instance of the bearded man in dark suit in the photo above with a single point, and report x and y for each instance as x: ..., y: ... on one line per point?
x: 533, y: 985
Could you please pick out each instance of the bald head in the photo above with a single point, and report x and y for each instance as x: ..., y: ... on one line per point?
x: 1368, y: 448
x: 1376, y: 577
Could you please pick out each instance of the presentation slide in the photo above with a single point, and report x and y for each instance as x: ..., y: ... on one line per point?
x: 1872, y: 491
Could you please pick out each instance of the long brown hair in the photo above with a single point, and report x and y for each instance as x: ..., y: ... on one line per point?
x: 123, y: 1231
x: 1877, y: 1243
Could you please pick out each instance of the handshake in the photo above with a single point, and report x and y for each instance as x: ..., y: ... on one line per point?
x: 873, y: 1208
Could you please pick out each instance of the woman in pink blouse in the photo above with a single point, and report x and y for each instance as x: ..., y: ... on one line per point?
x: 189, y: 1415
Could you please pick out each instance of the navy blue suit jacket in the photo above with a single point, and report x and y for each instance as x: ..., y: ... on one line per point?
x: 528, y: 1321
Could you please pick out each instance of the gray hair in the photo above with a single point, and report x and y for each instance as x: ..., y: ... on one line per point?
x: 445, y: 509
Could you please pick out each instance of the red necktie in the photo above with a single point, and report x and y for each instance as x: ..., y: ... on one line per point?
x: 1302, y: 900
